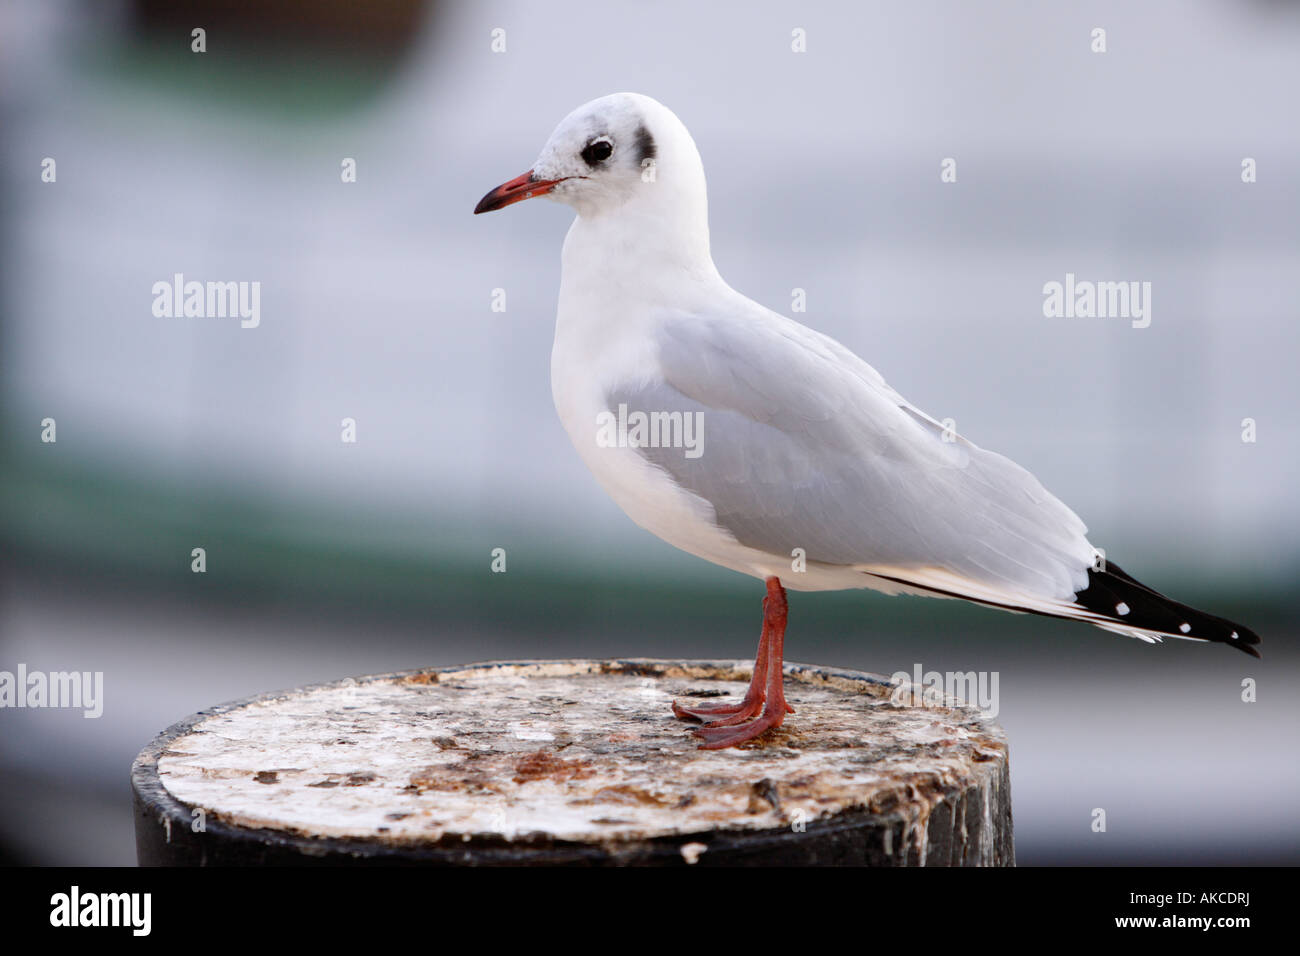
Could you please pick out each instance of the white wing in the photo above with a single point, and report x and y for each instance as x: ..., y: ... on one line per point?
x: 805, y: 446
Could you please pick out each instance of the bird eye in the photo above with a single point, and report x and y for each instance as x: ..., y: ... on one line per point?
x: 597, y: 151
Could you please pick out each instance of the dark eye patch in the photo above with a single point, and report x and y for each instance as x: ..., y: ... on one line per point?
x: 597, y: 151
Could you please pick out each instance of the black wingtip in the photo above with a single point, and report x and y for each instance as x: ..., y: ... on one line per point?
x: 1121, y: 599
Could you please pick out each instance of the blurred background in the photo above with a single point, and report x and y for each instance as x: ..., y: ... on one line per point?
x: 327, y: 559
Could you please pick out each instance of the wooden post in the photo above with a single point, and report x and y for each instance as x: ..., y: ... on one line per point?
x: 575, y: 762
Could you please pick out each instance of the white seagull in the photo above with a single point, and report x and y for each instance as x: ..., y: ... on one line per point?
x: 745, y: 438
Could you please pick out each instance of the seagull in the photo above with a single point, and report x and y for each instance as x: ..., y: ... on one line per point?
x: 740, y: 436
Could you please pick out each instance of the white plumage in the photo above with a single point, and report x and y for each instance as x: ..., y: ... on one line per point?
x: 806, y: 451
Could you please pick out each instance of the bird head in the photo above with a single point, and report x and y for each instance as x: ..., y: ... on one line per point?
x: 619, y: 149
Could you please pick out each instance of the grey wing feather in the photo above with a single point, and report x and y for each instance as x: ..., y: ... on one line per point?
x: 805, y: 446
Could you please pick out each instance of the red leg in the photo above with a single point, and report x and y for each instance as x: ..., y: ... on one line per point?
x: 753, y: 702
x: 737, y: 729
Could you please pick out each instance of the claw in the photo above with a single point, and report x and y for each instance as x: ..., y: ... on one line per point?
x: 764, y: 707
x: 717, y: 738
x: 708, y: 712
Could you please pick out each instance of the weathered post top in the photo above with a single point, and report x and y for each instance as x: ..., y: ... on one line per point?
x: 575, y: 762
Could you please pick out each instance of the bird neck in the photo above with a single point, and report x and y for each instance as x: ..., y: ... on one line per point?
x: 645, y: 248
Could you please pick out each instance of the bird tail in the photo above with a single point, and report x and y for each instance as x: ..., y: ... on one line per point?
x: 1117, y: 602
x: 1112, y: 600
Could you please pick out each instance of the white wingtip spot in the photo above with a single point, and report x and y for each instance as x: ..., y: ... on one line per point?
x: 1121, y: 608
x: 1234, y: 636
x: 1185, y: 628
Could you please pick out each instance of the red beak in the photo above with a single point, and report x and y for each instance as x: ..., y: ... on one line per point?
x: 517, y: 190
